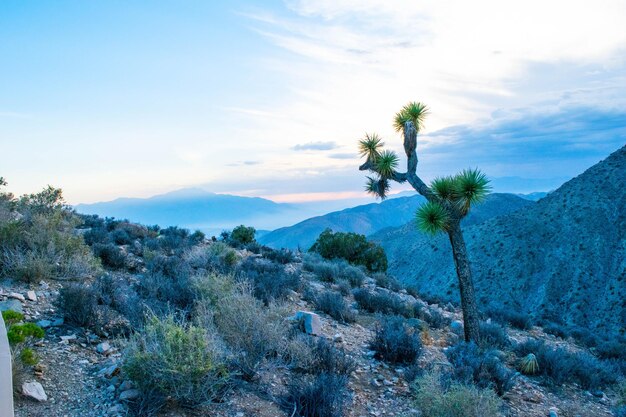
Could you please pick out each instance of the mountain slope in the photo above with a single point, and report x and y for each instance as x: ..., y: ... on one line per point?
x: 365, y: 219
x: 371, y: 218
x: 563, y: 257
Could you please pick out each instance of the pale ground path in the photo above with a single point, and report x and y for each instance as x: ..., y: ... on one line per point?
x: 6, y: 378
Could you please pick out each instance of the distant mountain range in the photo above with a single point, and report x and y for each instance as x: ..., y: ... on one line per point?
x: 193, y: 208
x: 196, y: 208
x: 563, y: 257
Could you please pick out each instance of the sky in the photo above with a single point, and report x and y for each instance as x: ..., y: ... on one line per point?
x: 136, y: 98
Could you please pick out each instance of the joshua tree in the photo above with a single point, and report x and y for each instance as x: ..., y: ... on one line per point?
x: 448, y: 198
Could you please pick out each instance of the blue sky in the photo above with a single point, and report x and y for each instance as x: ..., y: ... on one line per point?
x: 135, y: 98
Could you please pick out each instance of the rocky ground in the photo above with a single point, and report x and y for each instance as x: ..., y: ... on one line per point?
x: 80, y: 375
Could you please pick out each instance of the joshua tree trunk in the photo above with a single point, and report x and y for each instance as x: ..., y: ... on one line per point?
x: 466, y: 284
x: 456, y: 213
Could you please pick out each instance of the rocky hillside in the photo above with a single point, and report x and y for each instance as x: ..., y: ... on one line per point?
x: 562, y: 258
x: 371, y: 218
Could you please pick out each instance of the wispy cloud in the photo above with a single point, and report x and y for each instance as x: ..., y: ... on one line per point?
x: 315, y: 146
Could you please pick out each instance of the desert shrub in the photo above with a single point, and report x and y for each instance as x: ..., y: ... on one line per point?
x: 433, y: 316
x: 385, y: 303
x: 242, y: 235
x: 18, y: 333
x: 353, y: 275
x: 217, y: 257
x: 509, y: 316
x: 335, y: 305
x: 12, y: 317
x: 317, y: 356
x: 352, y: 247
x: 395, y: 342
x: 78, y: 303
x: 107, y: 305
x: 252, y: 331
x: 436, y: 398
x: 387, y: 281
x: 556, y: 330
x: 585, y: 336
x: 484, y: 368
x: 344, y: 287
x: 177, y: 361
x: 110, y: 255
x: 321, y: 396
x: 560, y: 365
x: 493, y: 335
x: 269, y: 280
x: 613, y: 349
x: 281, y: 256
x: 41, y: 243
x: 163, y: 292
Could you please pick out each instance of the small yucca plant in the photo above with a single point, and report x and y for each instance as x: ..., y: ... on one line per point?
x: 529, y: 365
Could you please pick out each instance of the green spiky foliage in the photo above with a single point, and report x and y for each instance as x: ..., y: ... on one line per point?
x: 444, y: 188
x: 529, y: 364
x: 370, y: 146
x: 432, y: 217
x: 378, y: 187
x: 472, y: 186
x: 386, y: 163
x: 414, y: 112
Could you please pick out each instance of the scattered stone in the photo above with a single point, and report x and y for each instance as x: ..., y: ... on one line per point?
x: 44, y: 324
x: 11, y: 304
x: 338, y: 338
x: 17, y: 296
x: 31, y: 295
x: 456, y: 326
x: 116, y: 409
x: 103, y: 348
x: 310, y: 321
x: 34, y: 390
x: 68, y: 338
x: 126, y: 385
x: 110, y: 371
x: 129, y: 394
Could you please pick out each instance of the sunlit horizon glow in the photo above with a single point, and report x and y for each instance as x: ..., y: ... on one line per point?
x: 268, y: 99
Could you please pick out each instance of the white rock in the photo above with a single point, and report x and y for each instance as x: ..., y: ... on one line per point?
x: 17, y: 296
x: 31, y: 295
x: 129, y: 394
x: 103, y: 347
x: 34, y: 390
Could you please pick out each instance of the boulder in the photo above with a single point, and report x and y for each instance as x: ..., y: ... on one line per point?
x: 456, y: 326
x: 44, y: 324
x: 103, y: 347
x: 17, y: 296
x: 311, y: 322
x: 34, y: 390
x: 11, y: 304
x: 129, y: 394
x: 31, y: 295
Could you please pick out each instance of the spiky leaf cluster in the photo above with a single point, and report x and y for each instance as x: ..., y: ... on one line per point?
x: 472, y: 186
x: 529, y: 364
x: 433, y: 217
x: 414, y: 112
x: 378, y: 187
x: 370, y: 146
x: 382, y: 162
x: 386, y: 163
